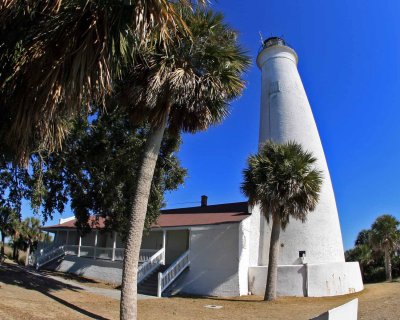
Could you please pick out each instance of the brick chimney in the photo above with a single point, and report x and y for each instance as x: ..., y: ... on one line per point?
x: 204, y: 201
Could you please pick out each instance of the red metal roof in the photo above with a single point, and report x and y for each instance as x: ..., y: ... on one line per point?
x: 194, y: 216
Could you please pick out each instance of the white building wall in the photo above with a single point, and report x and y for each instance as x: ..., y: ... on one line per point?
x: 312, y: 280
x: 214, y: 258
x: 286, y: 115
x: 105, y: 270
x: 244, y: 248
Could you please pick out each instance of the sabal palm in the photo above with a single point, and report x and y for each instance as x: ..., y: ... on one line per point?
x: 282, y: 179
x: 30, y: 232
x: 185, y: 89
x: 385, y: 236
x: 8, y: 218
x: 56, y: 56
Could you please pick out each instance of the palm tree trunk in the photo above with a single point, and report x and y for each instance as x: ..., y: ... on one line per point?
x: 2, y: 242
x: 14, y: 247
x: 272, y: 278
x: 388, y: 265
x: 138, y: 215
x: 28, y: 251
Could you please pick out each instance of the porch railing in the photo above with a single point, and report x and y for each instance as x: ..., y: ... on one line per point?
x: 54, y: 251
x: 151, y: 265
x: 168, y: 276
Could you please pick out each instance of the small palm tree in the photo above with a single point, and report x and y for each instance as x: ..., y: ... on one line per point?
x: 385, y: 236
x: 282, y: 179
x: 30, y: 232
x: 7, y: 223
x: 186, y: 88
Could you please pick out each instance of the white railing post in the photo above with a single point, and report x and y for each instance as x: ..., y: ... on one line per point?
x: 114, y: 245
x: 95, y: 244
x: 79, y: 246
x: 159, y: 285
x: 164, y: 244
x: 174, y: 270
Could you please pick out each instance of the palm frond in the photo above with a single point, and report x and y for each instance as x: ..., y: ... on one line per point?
x: 283, y: 180
x: 193, y: 81
x: 68, y: 54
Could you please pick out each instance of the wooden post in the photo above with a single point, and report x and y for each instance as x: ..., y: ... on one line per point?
x: 79, y: 245
x: 164, y: 245
x: 95, y: 244
x: 159, y: 292
x: 114, y: 245
x: 66, y: 241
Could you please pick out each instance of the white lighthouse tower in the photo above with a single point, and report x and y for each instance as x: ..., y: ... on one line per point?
x: 313, y: 248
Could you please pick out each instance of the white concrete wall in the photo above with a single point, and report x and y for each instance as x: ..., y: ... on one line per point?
x: 347, y: 311
x: 214, y: 256
x: 249, y: 243
x: 244, y: 248
x: 108, y: 271
x: 315, y: 280
x: 334, y: 279
x: 286, y: 115
x: 291, y: 280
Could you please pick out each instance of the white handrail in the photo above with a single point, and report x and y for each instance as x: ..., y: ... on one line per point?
x: 49, y: 256
x: 173, y: 272
x: 150, y: 265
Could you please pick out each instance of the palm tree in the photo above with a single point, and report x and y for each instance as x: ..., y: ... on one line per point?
x: 186, y: 88
x: 7, y: 222
x: 385, y: 236
x: 57, y: 56
x: 282, y: 179
x: 363, y: 237
x: 363, y: 254
x: 30, y: 232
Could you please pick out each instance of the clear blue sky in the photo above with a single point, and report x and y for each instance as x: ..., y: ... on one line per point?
x: 349, y: 60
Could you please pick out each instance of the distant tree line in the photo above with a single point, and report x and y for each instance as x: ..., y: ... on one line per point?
x: 24, y: 235
x: 378, y: 250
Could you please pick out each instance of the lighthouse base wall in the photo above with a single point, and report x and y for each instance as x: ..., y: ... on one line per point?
x: 312, y: 280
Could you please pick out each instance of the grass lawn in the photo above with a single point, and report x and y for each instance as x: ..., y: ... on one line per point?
x: 24, y: 296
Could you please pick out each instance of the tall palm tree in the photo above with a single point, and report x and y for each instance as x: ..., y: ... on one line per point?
x: 183, y: 88
x: 57, y: 56
x: 30, y: 232
x: 385, y: 236
x: 282, y: 179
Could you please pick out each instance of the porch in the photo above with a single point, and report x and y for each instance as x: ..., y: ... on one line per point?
x: 163, y: 256
x: 109, y: 246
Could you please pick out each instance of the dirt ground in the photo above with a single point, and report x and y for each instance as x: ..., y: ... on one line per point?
x: 25, y: 296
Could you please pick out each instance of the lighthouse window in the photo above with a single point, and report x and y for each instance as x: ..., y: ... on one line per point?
x: 302, y: 254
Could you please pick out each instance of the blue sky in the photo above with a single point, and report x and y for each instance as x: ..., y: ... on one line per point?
x: 349, y: 61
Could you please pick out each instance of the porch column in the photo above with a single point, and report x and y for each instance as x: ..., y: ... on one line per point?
x: 95, y: 244
x: 79, y: 245
x: 66, y: 241
x: 164, y: 244
x: 114, y: 245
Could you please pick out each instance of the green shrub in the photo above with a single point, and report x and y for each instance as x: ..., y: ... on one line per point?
x: 375, y: 275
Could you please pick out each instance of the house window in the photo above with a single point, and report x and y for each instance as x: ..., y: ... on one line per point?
x: 302, y: 254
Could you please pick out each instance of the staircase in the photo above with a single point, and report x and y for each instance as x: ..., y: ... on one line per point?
x: 149, y: 285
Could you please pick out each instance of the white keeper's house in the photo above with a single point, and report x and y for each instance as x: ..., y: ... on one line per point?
x: 222, y: 250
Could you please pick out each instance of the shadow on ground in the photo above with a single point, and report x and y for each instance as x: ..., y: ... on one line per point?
x: 32, y: 280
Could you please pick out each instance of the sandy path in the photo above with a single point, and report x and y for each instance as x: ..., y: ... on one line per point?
x: 26, y: 296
